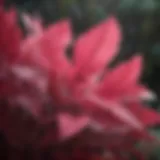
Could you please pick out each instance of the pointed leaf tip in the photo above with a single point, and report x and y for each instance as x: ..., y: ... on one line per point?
x: 62, y: 24
x: 97, y: 47
x: 112, y: 21
x: 137, y: 60
x: 70, y: 125
x: 136, y: 65
x: 60, y: 32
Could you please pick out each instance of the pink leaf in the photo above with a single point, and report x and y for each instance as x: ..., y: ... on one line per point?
x: 117, y: 110
x: 49, y: 48
x: 10, y: 36
x: 121, y: 80
x: 97, y: 47
x: 70, y: 125
x: 146, y: 115
x: 54, y: 43
x: 125, y: 74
